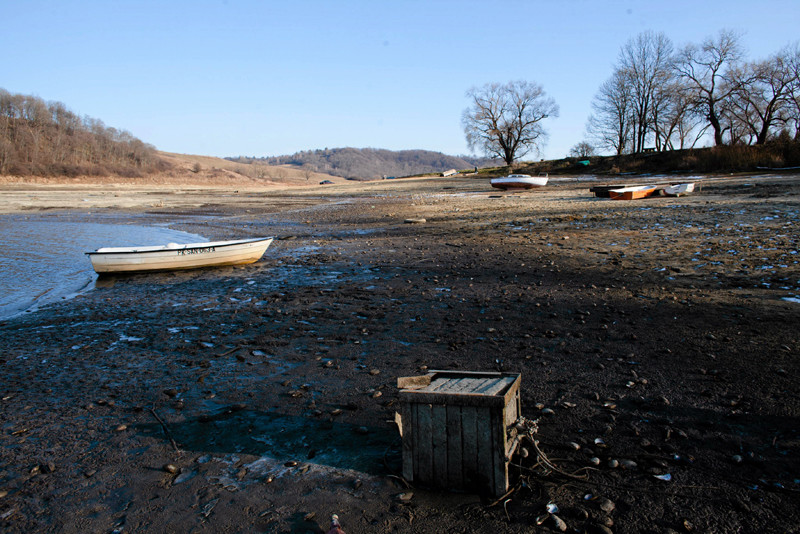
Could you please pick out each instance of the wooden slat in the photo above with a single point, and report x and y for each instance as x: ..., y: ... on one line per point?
x: 500, y: 385
x: 469, y: 432
x: 439, y: 445
x: 455, y: 443
x: 500, y: 467
x: 463, y: 399
x: 409, y: 429
x: 436, y: 385
x: 424, y: 444
x: 413, y: 382
x: 485, y: 442
x: 456, y: 385
x: 484, y: 385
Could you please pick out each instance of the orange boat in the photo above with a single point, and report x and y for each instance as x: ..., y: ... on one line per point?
x: 632, y: 192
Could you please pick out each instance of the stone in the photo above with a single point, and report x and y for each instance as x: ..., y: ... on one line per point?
x: 558, y: 523
x: 607, y: 505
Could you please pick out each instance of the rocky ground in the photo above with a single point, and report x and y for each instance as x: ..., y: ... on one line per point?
x: 657, y: 342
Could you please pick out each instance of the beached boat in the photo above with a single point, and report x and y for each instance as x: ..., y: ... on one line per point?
x: 632, y: 192
x: 174, y: 256
x: 677, y: 190
x: 519, y: 181
x: 602, y: 191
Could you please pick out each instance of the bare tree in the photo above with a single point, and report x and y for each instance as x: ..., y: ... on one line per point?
x: 708, y: 69
x: 674, y: 124
x: 763, y: 94
x: 610, y: 124
x: 794, y: 88
x: 584, y: 149
x: 504, y: 120
x: 646, y: 63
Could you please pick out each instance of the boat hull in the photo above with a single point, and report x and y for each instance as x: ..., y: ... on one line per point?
x: 602, y: 191
x: 178, y: 257
x: 631, y: 193
x: 519, y: 181
x: 678, y: 189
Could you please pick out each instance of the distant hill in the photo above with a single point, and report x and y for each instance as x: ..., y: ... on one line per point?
x: 371, y: 163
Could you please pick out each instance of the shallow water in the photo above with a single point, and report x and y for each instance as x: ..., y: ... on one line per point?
x: 43, y: 261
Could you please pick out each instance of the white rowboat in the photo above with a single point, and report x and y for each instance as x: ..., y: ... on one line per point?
x: 519, y: 181
x: 174, y: 256
x: 678, y: 189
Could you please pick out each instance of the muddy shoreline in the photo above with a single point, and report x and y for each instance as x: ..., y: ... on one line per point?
x: 657, y: 336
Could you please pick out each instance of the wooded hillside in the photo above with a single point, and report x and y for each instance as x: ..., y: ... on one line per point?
x: 39, y: 138
x: 370, y: 163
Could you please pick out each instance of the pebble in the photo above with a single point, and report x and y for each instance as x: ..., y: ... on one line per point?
x: 607, y: 505
x: 49, y: 467
x: 558, y: 523
x: 3, y: 493
x: 628, y: 464
x: 121, y: 428
x: 737, y: 459
x: 613, y: 464
x: 404, y: 497
x: 169, y: 468
x: 548, y: 411
x: 290, y: 463
x: 594, y: 461
x: 415, y: 221
x: 374, y: 372
x: 575, y: 446
x: 309, y: 516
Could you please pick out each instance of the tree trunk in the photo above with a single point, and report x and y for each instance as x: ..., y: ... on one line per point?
x: 714, y: 120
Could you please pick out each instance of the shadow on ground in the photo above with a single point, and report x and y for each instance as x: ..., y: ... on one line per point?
x: 286, y: 438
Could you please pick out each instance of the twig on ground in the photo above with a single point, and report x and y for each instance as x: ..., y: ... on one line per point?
x: 166, y: 430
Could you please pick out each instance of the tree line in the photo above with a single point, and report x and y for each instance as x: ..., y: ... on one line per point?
x: 369, y: 162
x: 659, y: 98
x: 47, y: 139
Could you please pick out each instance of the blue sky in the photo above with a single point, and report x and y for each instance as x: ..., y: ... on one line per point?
x: 244, y: 77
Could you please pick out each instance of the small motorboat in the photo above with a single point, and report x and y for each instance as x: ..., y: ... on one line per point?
x: 174, y: 256
x: 519, y: 181
x: 632, y: 192
x: 677, y: 190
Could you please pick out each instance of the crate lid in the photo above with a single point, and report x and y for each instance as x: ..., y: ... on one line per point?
x: 458, y: 384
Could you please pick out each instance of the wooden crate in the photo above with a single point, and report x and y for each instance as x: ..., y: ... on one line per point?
x: 458, y: 429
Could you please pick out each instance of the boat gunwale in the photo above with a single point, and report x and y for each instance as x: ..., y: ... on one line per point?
x: 187, y: 246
